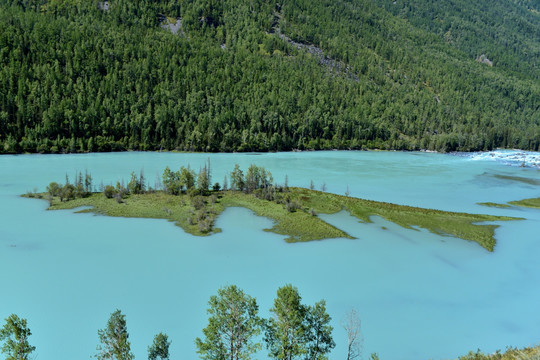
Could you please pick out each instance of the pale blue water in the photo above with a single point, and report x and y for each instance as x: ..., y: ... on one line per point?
x: 420, y: 296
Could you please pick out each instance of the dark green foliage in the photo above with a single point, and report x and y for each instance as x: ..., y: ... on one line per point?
x: 159, y: 348
x: 361, y: 74
x: 237, y: 178
x: 187, y: 178
x: 14, y: 334
x: 232, y: 325
x: 319, y: 340
x: 53, y: 189
x: 114, y: 344
x: 285, y: 331
x: 171, y: 181
x: 505, y: 31
x: 71, y: 191
x: 67, y: 192
x: 257, y: 177
x: 109, y: 191
x: 297, y: 330
x: 176, y: 182
x: 137, y: 185
x: 202, y: 181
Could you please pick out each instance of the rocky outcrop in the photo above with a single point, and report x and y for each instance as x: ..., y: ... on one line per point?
x: 331, y: 64
x: 482, y: 59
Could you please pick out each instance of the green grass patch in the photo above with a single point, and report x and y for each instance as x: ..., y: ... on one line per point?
x: 528, y: 353
x: 495, y: 205
x: 530, y: 203
x: 461, y: 225
x: 196, y: 215
x: 299, y: 225
x: 520, y: 179
x: 158, y: 205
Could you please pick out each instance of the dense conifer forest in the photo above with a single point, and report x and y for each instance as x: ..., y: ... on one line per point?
x: 261, y: 75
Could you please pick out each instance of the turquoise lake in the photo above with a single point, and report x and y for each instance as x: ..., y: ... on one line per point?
x: 419, y: 295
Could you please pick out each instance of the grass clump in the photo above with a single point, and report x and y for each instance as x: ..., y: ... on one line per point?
x: 530, y: 203
x: 495, y: 205
x: 529, y: 353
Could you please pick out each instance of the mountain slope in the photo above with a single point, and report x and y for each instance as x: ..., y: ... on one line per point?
x: 252, y: 75
x: 507, y: 32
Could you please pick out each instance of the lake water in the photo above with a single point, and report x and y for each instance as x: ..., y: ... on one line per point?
x: 419, y: 296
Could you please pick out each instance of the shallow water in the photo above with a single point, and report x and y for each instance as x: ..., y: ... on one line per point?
x: 419, y: 295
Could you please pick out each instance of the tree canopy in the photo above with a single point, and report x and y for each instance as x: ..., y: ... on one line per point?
x: 260, y: 75
x: 232, y: 326
x: 114, y: 343
x: 14, y: 334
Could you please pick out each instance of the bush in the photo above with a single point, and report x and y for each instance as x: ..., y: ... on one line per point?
x: 53, y: 189
x: 292, y: 206
x: 109, y: 191
x: 198, y: 202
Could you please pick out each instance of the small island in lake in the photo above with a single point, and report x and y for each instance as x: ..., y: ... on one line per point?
x: 188, y: 200
x: 533, y: 203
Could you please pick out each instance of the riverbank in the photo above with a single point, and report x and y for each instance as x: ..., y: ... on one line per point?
x: 294, y: 215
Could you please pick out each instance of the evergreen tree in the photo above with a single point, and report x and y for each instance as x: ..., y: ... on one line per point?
x: 373, y: 75
x: 202, y: 181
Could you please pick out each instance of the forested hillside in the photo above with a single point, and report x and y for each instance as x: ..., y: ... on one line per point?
x: 257, y: 75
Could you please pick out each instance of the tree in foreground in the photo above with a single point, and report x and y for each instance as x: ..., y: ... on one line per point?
x: 113, y: 339
x: 15, y: 335
x: 159, y: 348
x: 285, y: 332
x: 319, y: 340
x: 232, y: 325
x: 297, y: 330
x: 351, y: 324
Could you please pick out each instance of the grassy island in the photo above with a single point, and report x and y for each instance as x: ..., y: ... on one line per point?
x: 495, y: 205
x: 529, y: 203
x: 293, y: 210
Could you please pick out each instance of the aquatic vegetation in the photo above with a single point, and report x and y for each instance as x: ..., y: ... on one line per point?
x: 196, y: 214
x: 495, y: 205
x: 460, y: 225
x: 530, y: 203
